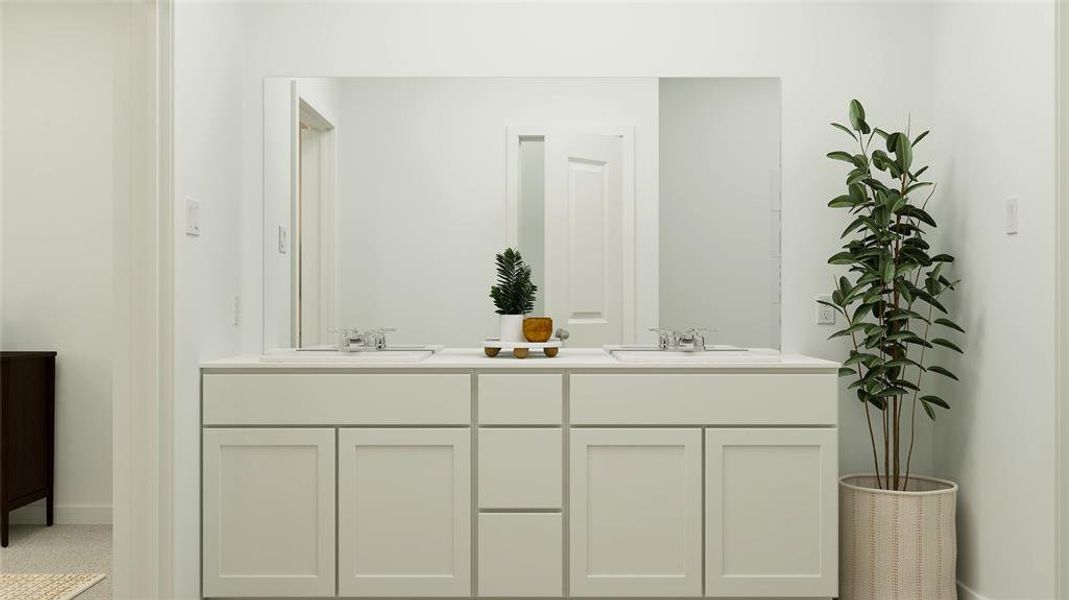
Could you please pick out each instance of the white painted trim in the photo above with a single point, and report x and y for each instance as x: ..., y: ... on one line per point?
x: 967, y: 593
x: 143, y: 380
x: 1061, y: 303
x: 66, y: 514
x: 513, y: 134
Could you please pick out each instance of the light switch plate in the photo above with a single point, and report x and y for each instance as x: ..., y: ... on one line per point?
x: 825, y: 313
x: 192, y: 217
x: 283, y: 239
x: 1011, y: 215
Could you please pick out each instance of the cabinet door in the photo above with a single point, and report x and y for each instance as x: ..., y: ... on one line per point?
x: 636, y: 514
x: 268, y: 517
x: 404, y: 514
x: 771, y: 511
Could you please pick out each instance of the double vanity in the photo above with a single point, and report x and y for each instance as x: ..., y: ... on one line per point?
x: 450, y: 474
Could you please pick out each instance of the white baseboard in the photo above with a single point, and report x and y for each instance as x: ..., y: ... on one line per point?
x: 967, y: 593
x: 69, y: 514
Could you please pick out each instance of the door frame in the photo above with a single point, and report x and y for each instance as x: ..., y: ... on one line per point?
x: 143, y: 261
x: 514, y: 133
x: 303, y: 113
x: 1061, y: 297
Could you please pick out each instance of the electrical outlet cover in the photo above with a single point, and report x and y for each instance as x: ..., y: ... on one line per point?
x: 825, y: 313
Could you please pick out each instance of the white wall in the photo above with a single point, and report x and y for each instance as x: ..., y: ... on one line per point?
x: 422, y: 188
x: 59, y: 170
x: 994, y: 136
x: 208, y: 108
x: 719, y: 208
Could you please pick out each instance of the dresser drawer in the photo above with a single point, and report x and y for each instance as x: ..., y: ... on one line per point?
x: 520, y: 468
x: 520, y: 399
x: 704, y: 399
x: 336, y: 399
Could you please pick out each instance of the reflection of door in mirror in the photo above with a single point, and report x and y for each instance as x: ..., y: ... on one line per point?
x: 574, y: 192
x: 313, y: 218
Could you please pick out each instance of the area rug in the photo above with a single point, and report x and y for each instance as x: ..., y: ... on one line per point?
x: 38, y: 586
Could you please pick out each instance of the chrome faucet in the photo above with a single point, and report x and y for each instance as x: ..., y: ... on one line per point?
x: 353, y: 340
x: 692, y: 340
x: 681, y: 340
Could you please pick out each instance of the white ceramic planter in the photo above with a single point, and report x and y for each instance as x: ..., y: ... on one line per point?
x: 510, y: 328
x: 895, y: 545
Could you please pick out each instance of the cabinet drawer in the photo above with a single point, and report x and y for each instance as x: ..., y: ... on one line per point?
x: 520, y: 468
x: 520, y: 399
x: 704, y: 399
x: 336, y: 399
x: 520, y: 555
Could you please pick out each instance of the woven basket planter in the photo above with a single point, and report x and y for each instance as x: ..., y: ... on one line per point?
x: 897, y: 545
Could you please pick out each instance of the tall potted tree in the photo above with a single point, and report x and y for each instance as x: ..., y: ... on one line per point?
x: 897, y: 534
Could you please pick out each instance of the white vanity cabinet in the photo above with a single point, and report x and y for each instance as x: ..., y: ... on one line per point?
x: 268, y: 512
x: 771, y: 512
x: 636, y: 512
x: 404, y: 512
x: 519, y: 479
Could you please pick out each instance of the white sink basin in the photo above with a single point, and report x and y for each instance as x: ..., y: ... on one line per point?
x: 407, y: 355
x: 713, y: 356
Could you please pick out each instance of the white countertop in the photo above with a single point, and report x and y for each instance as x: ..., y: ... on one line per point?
x: 569, y: 358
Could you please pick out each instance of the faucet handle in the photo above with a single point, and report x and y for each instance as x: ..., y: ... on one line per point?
x: 377, y: 337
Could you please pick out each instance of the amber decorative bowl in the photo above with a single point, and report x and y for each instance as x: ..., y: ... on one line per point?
x: 537, y: 329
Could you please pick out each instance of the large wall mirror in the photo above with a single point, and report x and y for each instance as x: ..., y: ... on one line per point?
x: 639, y: 202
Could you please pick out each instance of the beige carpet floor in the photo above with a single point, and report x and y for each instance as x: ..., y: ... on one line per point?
x: 61, y: 549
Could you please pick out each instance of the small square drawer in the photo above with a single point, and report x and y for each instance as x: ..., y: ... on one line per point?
x: 520, y: 555
x: 520, y: 399
x: 520, y: 468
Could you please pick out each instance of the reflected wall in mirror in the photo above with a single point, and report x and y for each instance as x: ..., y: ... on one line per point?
x: 639, y: 202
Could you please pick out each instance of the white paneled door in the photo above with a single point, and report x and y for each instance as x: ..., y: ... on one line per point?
x: 404, y: 512
x: 636, y: 514
x: 771, y: 511
x: 268, y: 512
x: 585, y: 236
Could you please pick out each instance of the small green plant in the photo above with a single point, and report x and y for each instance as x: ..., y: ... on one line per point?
x: 890, y: 298
x: 514, y: 293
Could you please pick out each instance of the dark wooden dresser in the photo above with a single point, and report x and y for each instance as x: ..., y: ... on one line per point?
x: 27, y: 432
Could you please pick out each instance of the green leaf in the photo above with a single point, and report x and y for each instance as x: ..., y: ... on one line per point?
x: 943, y: 372
x: 920, y: 137
x: 849, y: 330
x: 846, y: 372
x: 842, y: 258
x: 891, y: 141
x: 857, y: 175
x: 919, y: 172
x: 842, y: 202
x: 860, y: 357
x: 946, y: 258
x: 843, y: 156
x: 846, y: 129
x: 928, y: 409
x: 904, y: 362
x: 857, y: 117
x: 948, y: 323
x: 904, y: 152
x: 936, y: 400
x: 948, y: 344
x: 917, y: 186
x: 888, y: 271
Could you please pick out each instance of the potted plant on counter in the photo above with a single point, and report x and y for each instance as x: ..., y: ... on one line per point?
x: 896, y: 528
x: 514, y: 294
